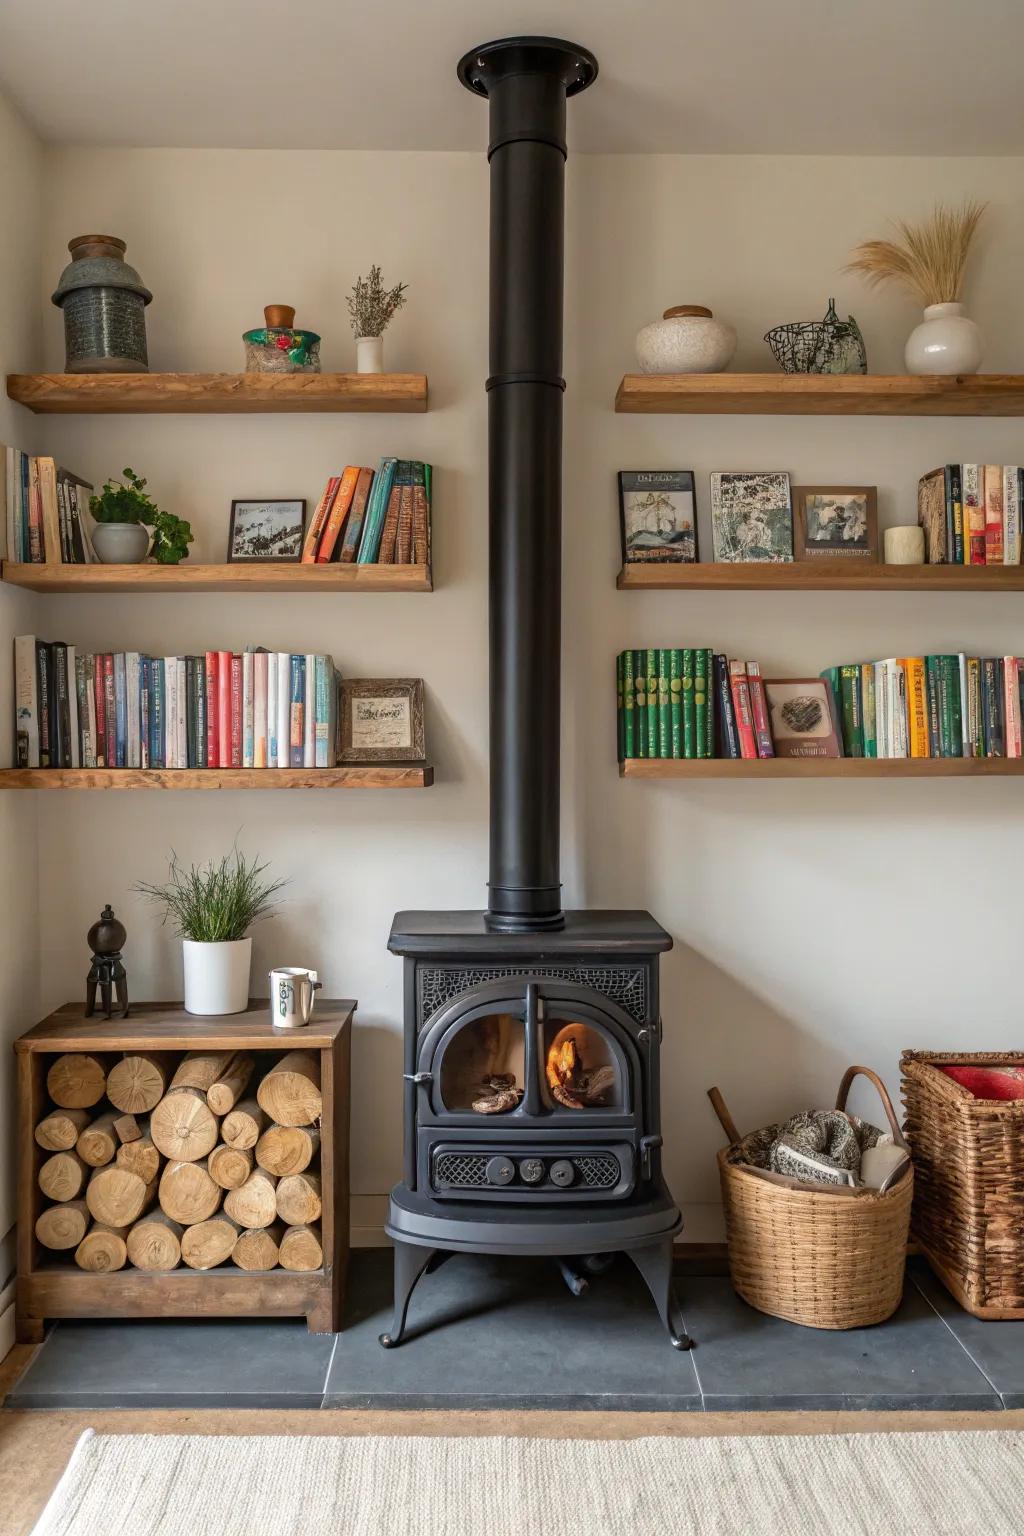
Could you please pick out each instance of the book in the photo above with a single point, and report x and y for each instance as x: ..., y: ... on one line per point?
x: 318, y: 521
x: 972, y: 708
x: 657, y: 515
x: 1011, y: 705
x: 664, y: 706
x: 882, y: 730
x: 992, y: 709
x: 309, y: 711
x: 931, y: 515
x: 422, y: 494
x: 803, y: 716
x: 651, y: 662
x: 689, y: 700
x: 931, y: 675
x: 339, y: 512
x: 235, y: 760
x: 628, y: 706
x: 353, y: 530
x: 1011, y: 514
x: 273, y: 672
x: 26, y: 703
x: 284, y: 707
x: 46, y: 477
x: 993, y: 486
x: 742, y: 708
x: 868, y: 709
x: 759, y: 711
x: 727, y: 738
x: 373, y: 526
x: 86, y: 710
x: 918, y: 744
x: 852, y: 716
x: 955, y: 521
x: 296, y: 711
x: 640, y: 675
x: 675, y: 703
x: 324, y: 692
x: 133, y: 702
x: 171, y: 706
x: 145, y: 688
x: 260, y: 706
x: 702, y: 703
x: 396, y: 512
x: 974, y: 514
x: 120, y: 712
x: 12, y: 512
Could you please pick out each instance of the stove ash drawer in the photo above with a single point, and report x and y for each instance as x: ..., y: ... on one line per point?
x: 522, y: 1173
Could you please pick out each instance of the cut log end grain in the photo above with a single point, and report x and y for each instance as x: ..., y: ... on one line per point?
x: 224, y: 1094
x: 257, y: 1248
x: 63, y: 1176
x: 98, y: 1143
x: 254, y: 1204
x: 117, y: 1197
x: 63, y: 1226
x: 209, y: 1243
x: 301, y: 1249
x: 77, y: 1080
x: 187, y: 1193
x: 201, y: 1069
x: 242, y: 1127
x: 154, y: 1242
x: 102, y: 1249
x: 290, y: 1092
x: 138, y: 1082
x: 229, y: 1166
x: 127, y: 1128
x: 182, y: 1125
x: 139, y: 1157
x: 284, y: 1149
x: 60, y: 1129
x: 299, y: 1200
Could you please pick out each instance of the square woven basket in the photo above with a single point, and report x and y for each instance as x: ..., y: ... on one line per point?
x: 968, y: 1215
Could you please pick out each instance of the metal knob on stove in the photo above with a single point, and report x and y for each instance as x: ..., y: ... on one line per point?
x: 500, y: 1170
x: 562, y: 1173
x: 531, y: 1170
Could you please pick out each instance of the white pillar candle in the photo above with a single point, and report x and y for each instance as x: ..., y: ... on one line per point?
x: 904, y: 546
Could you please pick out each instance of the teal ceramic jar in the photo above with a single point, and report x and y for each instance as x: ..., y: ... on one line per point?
x: 278, y: 348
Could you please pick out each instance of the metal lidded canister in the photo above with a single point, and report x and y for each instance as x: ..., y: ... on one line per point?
x: 104, y: 302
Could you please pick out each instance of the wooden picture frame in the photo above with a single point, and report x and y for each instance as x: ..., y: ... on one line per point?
x: 840, y: 504
x: 243, y: 541
x: 381, y: 720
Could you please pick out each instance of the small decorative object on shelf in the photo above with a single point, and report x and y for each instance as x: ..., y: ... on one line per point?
x: 293, y: 990
x: 929, y: 258
x: 801, y: 717
x: 835, y: 522
x: 123, y: 513
x: 382, y: 720
x: 658, y: 515
x: 687, y: 339
x: 104, y: 302
x: 372, y: 307
x: 106, y: 939
x: 213, y: 907
x: 904, y: 545
x: 277, y: 347
x: 751, y: 515
x: 819, y: 346
x: 266, y: 530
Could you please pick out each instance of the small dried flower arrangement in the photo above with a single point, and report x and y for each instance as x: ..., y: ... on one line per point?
x: 372, y: 306
x: 929, y: 258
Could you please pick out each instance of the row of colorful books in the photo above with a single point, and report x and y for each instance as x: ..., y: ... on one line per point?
x: 930, y: 706
x: 690, y: 702
x: 373, y: 518
x: 254, y: 709
x: 47, y: 511
x: 971, y: 514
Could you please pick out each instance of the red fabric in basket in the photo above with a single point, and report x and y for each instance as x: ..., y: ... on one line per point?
x: 989, y: 1082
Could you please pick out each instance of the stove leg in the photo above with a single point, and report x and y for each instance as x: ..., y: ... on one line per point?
x: 655, y: 1264
x: 410, y: 1262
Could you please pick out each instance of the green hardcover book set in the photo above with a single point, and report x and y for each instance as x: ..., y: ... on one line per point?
x: 664, y: 704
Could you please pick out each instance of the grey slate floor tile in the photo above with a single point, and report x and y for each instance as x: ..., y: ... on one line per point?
x: 997, y: 1348
x: 506, y: 1333
x: 746, y: 1360
x: 269, y: 1363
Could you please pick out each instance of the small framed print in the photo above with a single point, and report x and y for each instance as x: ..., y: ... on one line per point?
x: 266, y: 530
x: 658, y: 516
x: 802, y: 715
x: 382, y: 720
x: 835, y: 522
x: 751, y: 516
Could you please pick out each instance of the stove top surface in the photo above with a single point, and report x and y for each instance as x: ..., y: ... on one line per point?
x: 607, y: 931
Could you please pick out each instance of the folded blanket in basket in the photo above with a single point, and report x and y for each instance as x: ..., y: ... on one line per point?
x: 825, y: 1145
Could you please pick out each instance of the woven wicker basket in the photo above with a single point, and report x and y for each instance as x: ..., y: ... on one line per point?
x: 824, y: 1258
x: 969, y: 1200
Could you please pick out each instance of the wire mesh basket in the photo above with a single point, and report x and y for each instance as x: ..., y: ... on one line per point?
x: 819, y: 346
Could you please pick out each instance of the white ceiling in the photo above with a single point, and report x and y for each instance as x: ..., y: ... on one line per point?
x: 686, y: 76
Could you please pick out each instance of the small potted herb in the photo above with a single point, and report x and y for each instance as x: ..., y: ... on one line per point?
x: 372, y: 307
x: 213, y: 906
x: 126, y: 518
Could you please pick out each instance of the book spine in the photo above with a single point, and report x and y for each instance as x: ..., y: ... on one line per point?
x: 640, y: 673
x: 742, y: 708
x: 309, y: 711
x: 339, y: 512
x: 950, y: 544
x: 956, y: 496
x: 951, y: 667
x: 202, y: 715
x: 44, y: 694
x: 99, y: 708
x: 972, y: 707
x: 192, y: 710
x: 675, y: 702
x: 991, y: 698
x: 157, y: 711
x: 46, y: 475
x: 235, y: 722
x: 1011, y: 515
x: 759, y: 711
x: 422, y: 477
x: 702, y: 702
x: 852, y: 713
x: 689, y: 694
x: 728, y: 740
x: 931, y: 675
x: 664, y: 706
x: 109, y: 712
x: 284, y: 702
x: 354, y: 526
x: 869, y: 708
x: 26, y: 702
x: 993, y: 514
x: 212, y: 714
x: 132, y: 699
x: 1011, y: 706
x: 59, y: 713
x: 223, y: 709
x: 914, y: 671
x: 322, y: 710
x: 171, y: 705
x: 711, y: 727
x: 273, y: 673
x: 652, y: 702
x: 296, y: 726
x: 182, y: 676
x: 248, y: 710
x: 628, y: 705
x: 35, y: 514
x: 145, y: 684
x: 311, y: 542
x: 260, y: 690
x: 974, y: 514
x: 393, y: 514
x: 620, y: 723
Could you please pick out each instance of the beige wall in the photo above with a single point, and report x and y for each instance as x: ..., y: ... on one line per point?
x: 815, y: 924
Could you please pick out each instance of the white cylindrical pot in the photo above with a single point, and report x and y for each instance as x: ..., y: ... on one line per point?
x: 946, y: 341
x: 217, y: 976
x: 369, y: 354
x: 120, y: 543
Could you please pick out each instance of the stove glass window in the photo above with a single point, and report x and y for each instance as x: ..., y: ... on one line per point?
x: 580, y: 1067
x: 482, y: 1067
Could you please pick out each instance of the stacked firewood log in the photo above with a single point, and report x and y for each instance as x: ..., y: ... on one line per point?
x: 156, y: 1160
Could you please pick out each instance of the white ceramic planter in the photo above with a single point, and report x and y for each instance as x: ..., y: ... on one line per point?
x: 217, y: 976
x: 120, y: 543
x: 946, y: 341
x: 369, y: 354
x: 687, y: 339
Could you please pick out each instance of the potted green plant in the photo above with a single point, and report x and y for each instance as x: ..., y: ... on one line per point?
x: 213, y: 906
x: 127, y: 518
x: 372, y: 307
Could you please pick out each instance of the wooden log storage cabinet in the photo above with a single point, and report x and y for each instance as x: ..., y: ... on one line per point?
x: 175, y: 1166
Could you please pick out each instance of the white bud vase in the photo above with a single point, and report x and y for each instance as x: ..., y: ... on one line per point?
x: 369, y: 354
x: 946, y: 341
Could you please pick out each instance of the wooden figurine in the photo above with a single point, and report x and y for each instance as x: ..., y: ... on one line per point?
x: 106, y: 940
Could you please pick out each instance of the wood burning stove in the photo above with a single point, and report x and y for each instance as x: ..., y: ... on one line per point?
x: 532, y: 1035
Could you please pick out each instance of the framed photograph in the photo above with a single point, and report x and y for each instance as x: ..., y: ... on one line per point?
x: 382, y: 720
x: 802, y: 715
x: 658, y: 515
x: 835, y: 522
x: 266, y: 530
x: 751, y: 516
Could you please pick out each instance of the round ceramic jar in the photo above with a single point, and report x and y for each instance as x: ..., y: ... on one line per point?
x: 946, y: 341
x: 278, y: 348
x: 104, y: 302
x: 688, y: 339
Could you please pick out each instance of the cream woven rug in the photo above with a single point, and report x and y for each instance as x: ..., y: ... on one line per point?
x: 850, y: 1485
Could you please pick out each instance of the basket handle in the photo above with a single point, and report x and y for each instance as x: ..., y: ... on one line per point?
x: 724, y: 1118
x: 872, y: 1077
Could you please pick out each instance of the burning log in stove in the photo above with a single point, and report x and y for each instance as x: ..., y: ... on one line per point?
x: 498, y: 1094
x: 571, y: 1084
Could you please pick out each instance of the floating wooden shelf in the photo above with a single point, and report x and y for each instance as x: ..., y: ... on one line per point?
x: 807, y: 394
x: 257, y: 577
x: 821, y: 768
x: 213, y: 393
x: 819, y: 576
x: 350, y: 776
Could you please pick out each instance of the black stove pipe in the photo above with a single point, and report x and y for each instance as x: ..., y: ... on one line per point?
x: 526, y: 81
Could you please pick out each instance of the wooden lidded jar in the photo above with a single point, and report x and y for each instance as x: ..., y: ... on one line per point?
x: 104, y: 302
